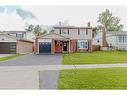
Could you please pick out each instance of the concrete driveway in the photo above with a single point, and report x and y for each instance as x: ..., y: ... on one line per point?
x: 31, y: 59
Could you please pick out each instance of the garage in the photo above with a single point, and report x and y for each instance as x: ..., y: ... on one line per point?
x: 7, y: 47
x: 12, y: 45
x: 45, y: 47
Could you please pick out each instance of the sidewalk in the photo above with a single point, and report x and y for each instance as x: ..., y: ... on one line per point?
x: 59, y: 67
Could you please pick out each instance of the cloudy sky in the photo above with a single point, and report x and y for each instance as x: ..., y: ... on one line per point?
x: 17, y: 17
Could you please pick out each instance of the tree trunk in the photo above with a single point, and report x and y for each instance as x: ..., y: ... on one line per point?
x: 104, y: 41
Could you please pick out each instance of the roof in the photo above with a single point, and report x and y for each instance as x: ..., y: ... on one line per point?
x: 71, y: 27
x: 115, y: 33
x: 53, y: 35
x: 14, y: 31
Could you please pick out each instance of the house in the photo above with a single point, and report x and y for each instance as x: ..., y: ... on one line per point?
x: 19, y: 34
x: 65, y: 39
x: 11, y: 45
x: 115, y: 39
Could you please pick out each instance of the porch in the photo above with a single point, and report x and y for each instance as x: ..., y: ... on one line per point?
x: 61, y: 46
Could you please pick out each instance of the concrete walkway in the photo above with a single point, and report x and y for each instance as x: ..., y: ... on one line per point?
x: 59, y: 67
x: 48, y: 79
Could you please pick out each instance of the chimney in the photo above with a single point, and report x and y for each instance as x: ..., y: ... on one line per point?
x: 60, y: 24
x: 88, y: 24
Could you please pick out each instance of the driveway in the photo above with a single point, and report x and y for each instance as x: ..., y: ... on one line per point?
x: 31, y: 59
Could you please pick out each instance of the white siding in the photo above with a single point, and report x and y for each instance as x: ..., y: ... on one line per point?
x: 73, y: 33
x: 97, y: 40
x: 4, y: 38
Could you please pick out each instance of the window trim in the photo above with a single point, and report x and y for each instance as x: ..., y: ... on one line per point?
x: 80, y: 41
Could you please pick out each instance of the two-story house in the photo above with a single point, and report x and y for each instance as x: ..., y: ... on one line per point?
x: 65, y: 39
x: 19, y: 34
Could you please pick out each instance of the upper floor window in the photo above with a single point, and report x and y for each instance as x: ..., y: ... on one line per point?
x: 78, y: 31
x: 19, y: 35
x: 86, y: 31
x: 60, y: 31
x: 68, y: 31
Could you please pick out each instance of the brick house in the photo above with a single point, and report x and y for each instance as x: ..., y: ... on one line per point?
x: 65, y: 39
x: 11, y: 45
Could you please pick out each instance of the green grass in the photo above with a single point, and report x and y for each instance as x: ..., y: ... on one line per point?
x: 9, y: 57
x: 101, y: 78
x: 98, y: 57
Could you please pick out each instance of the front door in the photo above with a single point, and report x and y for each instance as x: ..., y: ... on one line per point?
x: 64, y: 46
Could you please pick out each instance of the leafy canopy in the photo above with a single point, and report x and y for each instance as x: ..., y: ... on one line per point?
x: 109, y: 22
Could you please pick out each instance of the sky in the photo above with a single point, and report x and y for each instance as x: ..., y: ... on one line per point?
x: 17, y: 17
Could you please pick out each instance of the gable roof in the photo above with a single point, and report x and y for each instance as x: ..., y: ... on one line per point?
x: 53, y: 35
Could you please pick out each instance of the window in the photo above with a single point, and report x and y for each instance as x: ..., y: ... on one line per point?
x: 68, y: 31
x: 82, y: 44
x: 86, y: 31
x: 60, y: 31
x: 78, y: 31
x: 98, y: 41
x: 122, y: 39
x: 19, y: 35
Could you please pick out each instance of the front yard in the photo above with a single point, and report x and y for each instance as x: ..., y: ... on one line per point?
x: 98, y: 57
x: 100, y: 78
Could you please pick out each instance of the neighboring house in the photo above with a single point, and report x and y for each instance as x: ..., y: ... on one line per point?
x: 65, y: 39
x: 11, y: 45
x: 115, y: 39
x: 19, y: 34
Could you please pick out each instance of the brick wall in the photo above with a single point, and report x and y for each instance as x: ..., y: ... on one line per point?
x: 36, y: 46
x: 53, y: 46
x: 73, y: 45
x: 24, y: 47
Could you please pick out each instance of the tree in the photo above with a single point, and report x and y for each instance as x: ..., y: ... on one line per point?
x: 29, y: 28
x: 44, y: 32
x: 35, y: 29
x: 95, y: 30
x: 109, y: 22
x: 52, y: 30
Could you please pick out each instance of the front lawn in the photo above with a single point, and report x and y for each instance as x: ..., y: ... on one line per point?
x: 98, y: 57
x: 9, y: 57
x: 101, y: 78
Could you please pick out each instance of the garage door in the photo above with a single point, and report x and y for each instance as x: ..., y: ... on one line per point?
x: 7, y: 48
x: 45, y: 47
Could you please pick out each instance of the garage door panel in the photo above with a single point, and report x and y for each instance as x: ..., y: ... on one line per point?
x: 44, y: 47
x: 7, y: 48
